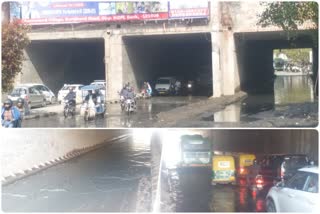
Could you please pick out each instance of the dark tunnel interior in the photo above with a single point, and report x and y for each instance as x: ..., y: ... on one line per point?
x: 186, y: 57
x: 61, y: 62
x: 255, y: 57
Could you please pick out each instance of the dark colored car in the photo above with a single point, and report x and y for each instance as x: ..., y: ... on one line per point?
x: 273, y: 168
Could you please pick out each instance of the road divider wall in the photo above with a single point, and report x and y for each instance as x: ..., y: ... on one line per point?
x: 24, y: 152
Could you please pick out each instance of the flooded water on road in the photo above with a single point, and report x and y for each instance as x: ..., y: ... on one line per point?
x: 192, y: 191
x: 104, y: 180
x: 287, y: 90
x: 145, y: 116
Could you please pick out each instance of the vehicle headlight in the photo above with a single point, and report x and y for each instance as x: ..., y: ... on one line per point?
x: 189, y: 85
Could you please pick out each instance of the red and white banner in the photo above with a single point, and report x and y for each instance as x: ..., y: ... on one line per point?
x: 83, y: 19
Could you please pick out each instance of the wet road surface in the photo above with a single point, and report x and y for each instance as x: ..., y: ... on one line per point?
x: 145, y: 116
x: 191, y: 191
x: 293, y: 95
x: 102, y: 180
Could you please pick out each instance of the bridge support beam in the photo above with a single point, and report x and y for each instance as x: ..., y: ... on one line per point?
x: 113, y: 65
x: 225, y: 73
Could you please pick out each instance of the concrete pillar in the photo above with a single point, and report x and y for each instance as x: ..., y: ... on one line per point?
x: 228, y: 63
x: 217, y: 81
x: 113, y: 65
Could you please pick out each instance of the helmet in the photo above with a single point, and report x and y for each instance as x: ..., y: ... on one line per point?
x: 20, y: 100
x: 8, y: 102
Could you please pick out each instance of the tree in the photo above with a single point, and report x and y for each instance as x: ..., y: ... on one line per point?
x: 289, y: 15
x: 14, y: 40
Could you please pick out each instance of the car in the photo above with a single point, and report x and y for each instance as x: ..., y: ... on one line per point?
x: 298, y: 194
x: 273, y: 168
x: 165, y: 85
x: 65, y: 90
x: 99, y: 82
x: 49, y: 95
x: 30, y: 94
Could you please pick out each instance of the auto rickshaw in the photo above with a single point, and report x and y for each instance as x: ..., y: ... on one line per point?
x: 223, y: 169
x: 242, y: 162
x: 95, y: 105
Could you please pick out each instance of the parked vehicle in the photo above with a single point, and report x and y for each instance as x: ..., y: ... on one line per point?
x: 165, y: 85
x: 298, y: 194
x: 273, y: 168
x: 223, y: 169
x: 32, y: 96
x: 94, y: 105
x: 279, y: 64
x: 195, y: 151
x: 65, y: 90
x: 50, y: 97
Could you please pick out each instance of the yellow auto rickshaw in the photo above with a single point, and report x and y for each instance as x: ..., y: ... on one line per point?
x: 242, y: 162
x: 223, y: 169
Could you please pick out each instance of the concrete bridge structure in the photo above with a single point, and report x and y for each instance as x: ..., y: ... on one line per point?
x: 229, y: 48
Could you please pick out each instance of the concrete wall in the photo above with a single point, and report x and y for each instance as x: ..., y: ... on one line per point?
x: 23, y: 149
x: 226, y: 19
x: 267, y: 141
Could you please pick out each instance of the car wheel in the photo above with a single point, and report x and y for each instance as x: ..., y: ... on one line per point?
x: 271, y: 208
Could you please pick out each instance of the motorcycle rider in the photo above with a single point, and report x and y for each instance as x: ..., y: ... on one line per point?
x: 10, y: 115
x: 130, y: 95
x: 71, y: 97
x: 91, y: 94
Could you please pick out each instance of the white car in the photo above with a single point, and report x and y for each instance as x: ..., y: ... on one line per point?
x: 164, y: 85
x: 298, y: 194
x: 65, y: 90
x: 48, y: 94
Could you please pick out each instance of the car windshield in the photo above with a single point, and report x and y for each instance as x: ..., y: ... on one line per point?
x: 163, y: 81
x: 18, y: 91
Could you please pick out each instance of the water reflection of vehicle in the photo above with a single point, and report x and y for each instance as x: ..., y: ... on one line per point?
x: 195, y: 151
x: 223, y: 169
x: 93, y: 102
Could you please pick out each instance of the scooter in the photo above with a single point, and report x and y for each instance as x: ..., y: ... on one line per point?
x: 69, y: 108
x: 129, y: 106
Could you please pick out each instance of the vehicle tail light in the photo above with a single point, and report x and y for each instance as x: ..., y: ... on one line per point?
x: 259, y: 181
x: 241, y: 170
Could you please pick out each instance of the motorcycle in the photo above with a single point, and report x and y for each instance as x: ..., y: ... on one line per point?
x: 129, y: 106
x: 122, y: 103
x: 69, y: 108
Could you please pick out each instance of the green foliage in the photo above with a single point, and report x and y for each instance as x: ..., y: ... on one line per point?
x: 14, y: 40
x: 296, y: 55
x: 289, y: 15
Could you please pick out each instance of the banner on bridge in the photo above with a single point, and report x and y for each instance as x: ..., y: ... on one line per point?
x: 61, y: 12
